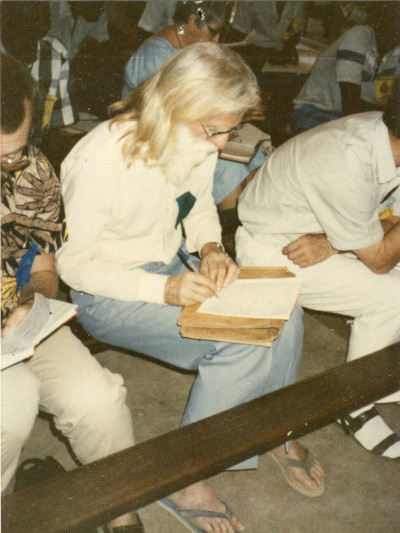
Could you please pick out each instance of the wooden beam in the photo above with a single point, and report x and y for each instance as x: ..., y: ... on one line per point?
x: 95, y: 493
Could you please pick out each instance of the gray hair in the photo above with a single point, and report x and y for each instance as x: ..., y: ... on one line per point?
x: 196, y: 84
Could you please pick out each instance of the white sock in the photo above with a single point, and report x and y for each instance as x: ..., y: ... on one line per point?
x: 375, y: 431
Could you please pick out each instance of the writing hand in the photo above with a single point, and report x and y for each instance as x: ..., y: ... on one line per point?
x: 15, y: 319
x: 188, y: 288
x: 217, y: 266
x: 309, y: 250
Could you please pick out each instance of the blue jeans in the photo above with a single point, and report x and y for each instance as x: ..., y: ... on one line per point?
x: 227, y: 374
x: 229, y: 174
x: 309, y: 116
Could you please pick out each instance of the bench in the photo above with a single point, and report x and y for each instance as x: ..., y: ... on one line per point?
x: 95, y: 493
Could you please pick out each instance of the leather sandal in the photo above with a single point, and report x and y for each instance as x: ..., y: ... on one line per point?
x: 131, y: 528
x: 351, y: 425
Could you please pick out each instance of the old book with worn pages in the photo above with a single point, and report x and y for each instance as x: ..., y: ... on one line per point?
x: 252, y: 310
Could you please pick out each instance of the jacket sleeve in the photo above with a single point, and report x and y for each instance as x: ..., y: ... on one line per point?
x: 202, y: 223
x: 88, y: 190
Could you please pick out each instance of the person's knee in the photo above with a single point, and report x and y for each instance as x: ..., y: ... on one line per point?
x: 95, y: 401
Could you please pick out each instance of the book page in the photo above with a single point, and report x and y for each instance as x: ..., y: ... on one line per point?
x: 24, y: 336
x: 258, y: 298
x: 45, y: 316
x: 60, y: 312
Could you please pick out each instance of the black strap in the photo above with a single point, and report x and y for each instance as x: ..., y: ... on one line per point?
x: 132, y: 528
x: 380, y: 448
x: 351, y: 425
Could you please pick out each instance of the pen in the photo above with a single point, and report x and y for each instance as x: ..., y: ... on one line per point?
x: 188, y: 263
x: 186, y: 260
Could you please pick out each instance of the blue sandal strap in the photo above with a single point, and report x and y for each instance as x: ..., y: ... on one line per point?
x: 203, y: 513
x: 305, y: 465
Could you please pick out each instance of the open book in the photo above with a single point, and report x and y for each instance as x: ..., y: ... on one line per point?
x: 252, y: 310
x: 44, y: 318
x: 243, y: 144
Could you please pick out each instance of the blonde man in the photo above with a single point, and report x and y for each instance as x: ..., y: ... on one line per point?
x: 129, y: 187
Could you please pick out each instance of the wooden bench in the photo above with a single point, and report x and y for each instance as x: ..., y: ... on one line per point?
x: 95, y: 493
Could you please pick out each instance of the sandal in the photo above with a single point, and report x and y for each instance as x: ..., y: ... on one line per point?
x: 184, y: 515
x: 35, y: 470
x: 284, y: 462
x: 131, y: 528
x: 351, y: 425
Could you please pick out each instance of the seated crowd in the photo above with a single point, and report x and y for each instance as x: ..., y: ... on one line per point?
x: 148, y: 183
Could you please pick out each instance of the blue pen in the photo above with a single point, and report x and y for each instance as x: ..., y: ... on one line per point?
x: 186, y: 260
x: 188, y: 263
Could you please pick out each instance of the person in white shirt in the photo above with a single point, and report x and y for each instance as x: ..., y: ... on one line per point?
x: 314, y: 206
x: 129, y: 187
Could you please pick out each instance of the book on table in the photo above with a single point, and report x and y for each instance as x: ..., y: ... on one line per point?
x: 243, y: 144
x: 45, y: 317
x: 252, y: 310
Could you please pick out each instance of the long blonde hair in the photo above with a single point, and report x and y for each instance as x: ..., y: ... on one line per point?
x: 196, y: 84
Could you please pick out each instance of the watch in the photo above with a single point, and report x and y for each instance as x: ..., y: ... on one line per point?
x: 219, y: 245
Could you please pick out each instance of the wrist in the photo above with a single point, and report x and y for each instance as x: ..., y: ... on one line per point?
x: 212, y: 247
x: 27, y: 295
x: 23, y: 301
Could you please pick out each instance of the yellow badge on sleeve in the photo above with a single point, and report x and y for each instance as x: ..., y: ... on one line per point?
x: 383, y: 89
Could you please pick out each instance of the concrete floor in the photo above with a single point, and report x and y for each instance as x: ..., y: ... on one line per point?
x: 362, y: 491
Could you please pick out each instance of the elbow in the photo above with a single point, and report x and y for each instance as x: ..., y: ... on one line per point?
x: 380, y: 268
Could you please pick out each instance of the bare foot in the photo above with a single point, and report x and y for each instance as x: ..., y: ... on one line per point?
x: 201, y: 496
x: 299, y: 453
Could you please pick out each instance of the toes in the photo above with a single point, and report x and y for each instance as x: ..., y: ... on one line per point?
x: 218, y: 525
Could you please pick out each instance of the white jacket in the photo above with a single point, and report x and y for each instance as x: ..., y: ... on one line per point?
x: 119, y: 218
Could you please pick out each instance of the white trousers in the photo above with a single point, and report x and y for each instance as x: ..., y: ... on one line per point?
x: 342, y: 284
x: 87, y: 401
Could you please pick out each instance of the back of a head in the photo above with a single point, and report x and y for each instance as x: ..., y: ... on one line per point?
x: 391, y: 115
x: 22, y: 25
x: 17, y: 86
x: 207, y: 12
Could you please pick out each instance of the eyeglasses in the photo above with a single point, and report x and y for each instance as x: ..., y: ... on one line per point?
x: 226, y: 132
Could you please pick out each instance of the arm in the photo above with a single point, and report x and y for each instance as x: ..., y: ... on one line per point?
x: 203, y: 230
x: 312, y: 249
x: 91, y: 190
x: 44, y: 280
x: 385, y: 254
x: 309, y: 250
x: 217, y: 270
